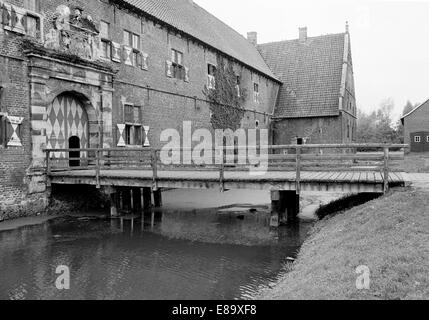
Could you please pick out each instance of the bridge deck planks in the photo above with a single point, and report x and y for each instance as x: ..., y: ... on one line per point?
x: 211, y: 175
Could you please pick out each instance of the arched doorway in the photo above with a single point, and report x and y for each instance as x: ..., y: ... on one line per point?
x: 74, y: 156
x: 67, y: 118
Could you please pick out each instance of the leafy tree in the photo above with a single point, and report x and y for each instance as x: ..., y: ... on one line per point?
x: 378, y: 126
x: 409, y: 107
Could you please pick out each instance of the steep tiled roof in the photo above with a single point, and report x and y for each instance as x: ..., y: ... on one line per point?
x: 193, y: 20
x: 311, y: 73
x: 426, y: 104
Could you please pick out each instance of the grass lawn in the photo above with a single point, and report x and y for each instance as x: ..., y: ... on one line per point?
x: 389, y: 235
x: 413, y: 163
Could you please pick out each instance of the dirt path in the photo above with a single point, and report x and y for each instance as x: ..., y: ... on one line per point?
x: 418, y: 180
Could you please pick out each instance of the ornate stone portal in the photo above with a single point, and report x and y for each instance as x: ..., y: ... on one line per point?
x: 74, y: 33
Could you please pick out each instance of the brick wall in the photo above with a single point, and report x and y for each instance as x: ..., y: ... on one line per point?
x: 316, y: 130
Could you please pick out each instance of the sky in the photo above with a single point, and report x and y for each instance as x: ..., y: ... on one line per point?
x: 390, y: 39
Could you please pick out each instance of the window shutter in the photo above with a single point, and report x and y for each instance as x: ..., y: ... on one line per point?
x: 13, y: 131
x: 140, y: 60
x: 13, y: 18
x: 116, y: 52
x: 5, y: 16
x: 145, y: 64
x: 121, y: 135
x: 2, y: 131
x: 24, y: 22
x: 169, y: 69
x: 186, y: 74
x: 127, y: 55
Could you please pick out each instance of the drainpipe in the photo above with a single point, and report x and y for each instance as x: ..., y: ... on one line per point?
x: 100, y: 121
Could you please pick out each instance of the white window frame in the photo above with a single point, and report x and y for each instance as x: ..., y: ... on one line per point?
x: 256, y: 92
x: 211, y: 79
x: 417, y: 139
x: 237, y: 86
x: 178, y: 67
x: 427, y: 139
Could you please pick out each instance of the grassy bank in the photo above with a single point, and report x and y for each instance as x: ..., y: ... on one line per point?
x: 390, y: 235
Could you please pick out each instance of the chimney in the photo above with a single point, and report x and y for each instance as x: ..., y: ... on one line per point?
x: 303, y: 34
x: 252, y: 37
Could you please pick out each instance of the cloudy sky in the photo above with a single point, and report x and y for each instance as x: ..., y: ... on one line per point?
x: 390, y: 39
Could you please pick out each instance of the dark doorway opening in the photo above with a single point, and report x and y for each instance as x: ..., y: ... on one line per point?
x: 74, y: 156
x: 300, y: 141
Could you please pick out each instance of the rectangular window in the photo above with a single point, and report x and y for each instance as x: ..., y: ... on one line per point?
x: 33, y: 21
x: 256, y: 92
x: 237, y: 86
x: 104, y: 30
x: 177, y: 61
x: 427, y: 139
x: 106, y: 49
x: 133, y: 135
x: 135, y: 41
x: 211, y: 76
x: 33, y: 26
x: 106, y: 44
x: 132, y: 40
x: 128, y: 38
x: 133, y: 126
x: 417, y: 139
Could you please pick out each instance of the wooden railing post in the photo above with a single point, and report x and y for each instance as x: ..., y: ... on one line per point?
x: 154, y: 163
x: 48, y: 163
x: 97, y: 168
x: 298, y: 170
x: 386, y: 169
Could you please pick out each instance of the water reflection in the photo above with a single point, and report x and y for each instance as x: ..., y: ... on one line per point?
x: 204, y: 254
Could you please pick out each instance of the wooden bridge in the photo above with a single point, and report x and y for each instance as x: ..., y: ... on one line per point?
x: 286, y: 171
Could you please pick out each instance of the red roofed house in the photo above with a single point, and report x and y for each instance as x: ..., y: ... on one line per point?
x: 317, y: 101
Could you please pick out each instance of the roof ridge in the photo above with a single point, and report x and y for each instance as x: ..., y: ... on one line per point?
x: 292, y: 40
x: 238, y: 33
x: 415, y: 109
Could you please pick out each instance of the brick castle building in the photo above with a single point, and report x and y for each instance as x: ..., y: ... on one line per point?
x: 116, y: 73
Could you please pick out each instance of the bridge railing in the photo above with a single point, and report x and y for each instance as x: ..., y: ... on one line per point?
x: 298, y: 158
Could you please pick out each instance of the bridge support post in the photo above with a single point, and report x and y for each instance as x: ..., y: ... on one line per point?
x: 147, y: 198
x: 157, y: 198
x: 284, y: 207
x: 114, y: 205
x: 137, y: 199
x: 126, y: 199
x: 276, y: 210
x: 292, y: 203
x: 114, y: 200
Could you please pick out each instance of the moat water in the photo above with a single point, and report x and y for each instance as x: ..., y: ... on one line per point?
x: 227, y: 252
